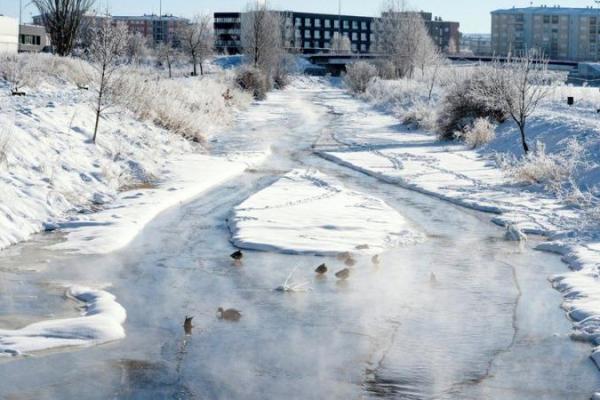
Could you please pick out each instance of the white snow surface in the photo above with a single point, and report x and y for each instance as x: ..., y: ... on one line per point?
x: 54, y: 177
x: 118, y: 224
x: 101, y: 322
x: 308, y: 212
x: 471, y: 178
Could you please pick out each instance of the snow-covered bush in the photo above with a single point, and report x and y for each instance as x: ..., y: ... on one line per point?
x: 254, y: 81
x: 19, y: 71
x: 421, y: 115
x: 480, y: 133
x: 385, y: 69
x: 396, y: 95
x: 554, y: 171
x: 358, y: 75
x: 187, y: 106
x: 462, y: 104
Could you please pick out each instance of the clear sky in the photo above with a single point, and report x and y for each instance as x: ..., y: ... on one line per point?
x: 473, y: 15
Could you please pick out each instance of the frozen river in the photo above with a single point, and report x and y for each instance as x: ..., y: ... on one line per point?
x: 491, y: 327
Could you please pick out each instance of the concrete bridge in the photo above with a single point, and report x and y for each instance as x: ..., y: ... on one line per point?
x: 335, y: 64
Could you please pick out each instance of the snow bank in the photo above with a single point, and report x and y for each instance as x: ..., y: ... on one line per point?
x: 101, y: 322
x: 50, y: 170
x: 417, y: 160
x: 118, y: 224
x: 309, y: 212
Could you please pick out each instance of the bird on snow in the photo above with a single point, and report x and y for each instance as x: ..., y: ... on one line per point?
x: 230, y: 314
x: 514, y: 234
x: 187, y: 325
x: 375, y: 259
x: 343, y: 256
x: 321, y: 269
x: 343, y: 274
x: 238, y: 255
x: 351, y: 262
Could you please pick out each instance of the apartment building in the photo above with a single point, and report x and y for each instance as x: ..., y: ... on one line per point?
x: 311, y: 33
x: 560, y: 33
x: 154, y: 27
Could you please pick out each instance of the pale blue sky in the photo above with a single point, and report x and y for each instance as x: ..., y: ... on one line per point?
x: 473, y: 15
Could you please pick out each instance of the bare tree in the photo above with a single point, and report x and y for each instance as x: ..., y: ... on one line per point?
x: 518, y: 86
x: 62, y: 19
x: 403, y: 37
x: 106, y: 52
x: 197, y: 41
x: 167, y: 55
x: 340, y: 44
x: 262, y: 37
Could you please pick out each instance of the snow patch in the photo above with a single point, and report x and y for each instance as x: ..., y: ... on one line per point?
x: 101, y: 322
x: 308, y: 212
x: 117, y: 225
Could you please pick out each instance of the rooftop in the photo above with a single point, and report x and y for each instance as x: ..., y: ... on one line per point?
x: 555, y: 10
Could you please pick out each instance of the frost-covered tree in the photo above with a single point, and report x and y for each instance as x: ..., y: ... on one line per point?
x: 340, y: 44
x: 167, y: 55
x: 518, y: 86
x: 403, y: 38
x: 197, y: 39
x: 106, y: 52
x: 137, y: 48
x: 262, y: 40
x: 358, y: 76
x: 62, y: 19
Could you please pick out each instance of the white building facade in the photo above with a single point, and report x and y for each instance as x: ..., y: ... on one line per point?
x: 9, y: 35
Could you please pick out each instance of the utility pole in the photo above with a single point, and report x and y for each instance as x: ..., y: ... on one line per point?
x: 20, y: 12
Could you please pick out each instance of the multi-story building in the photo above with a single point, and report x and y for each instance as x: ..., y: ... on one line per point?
x: 154, y: 27
x: 33, y: 39
x: 560, y: 33
x: 478, y: 44
x: 312, y: 33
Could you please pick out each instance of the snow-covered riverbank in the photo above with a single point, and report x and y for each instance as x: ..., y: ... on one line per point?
x: 417, y: 160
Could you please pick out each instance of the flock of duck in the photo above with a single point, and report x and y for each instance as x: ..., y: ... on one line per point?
x: 234, y: 315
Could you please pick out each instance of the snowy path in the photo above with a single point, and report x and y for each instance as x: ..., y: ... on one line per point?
x: 488, y: 326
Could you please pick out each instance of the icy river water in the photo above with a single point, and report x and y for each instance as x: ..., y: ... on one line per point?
x: 491, y: 327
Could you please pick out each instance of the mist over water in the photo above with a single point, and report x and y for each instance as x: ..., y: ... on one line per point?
x: 488, y: 326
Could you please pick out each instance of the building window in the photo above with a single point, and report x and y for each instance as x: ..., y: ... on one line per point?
x: 363, y: 48
x: 354, y: 47
x: 32, y: 40
x: 354, y: 36
x: 298, y: 21
x: 336, y: 24
x: 363, y: 25
x: 306, y: 34
x: 327, y: 23
x: 317, y: 23
x: 346, y: 24
x: 555, y: 19
x: 316, y: 44
x: 354, y: 24
x: 306, y: 44
x: 327, y: 35
x: 546, y: 19
x: 363, y: 37
x: 317, y: 35
x: 307, y: 22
